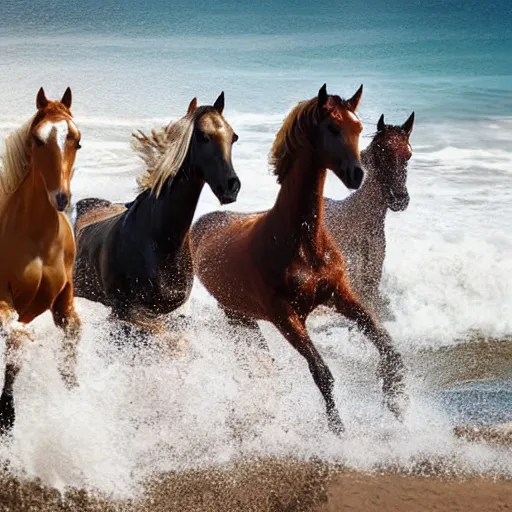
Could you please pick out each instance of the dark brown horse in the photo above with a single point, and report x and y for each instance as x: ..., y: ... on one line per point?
x: 281, y: 264
x: 136, y: 259
x: 357, y: 222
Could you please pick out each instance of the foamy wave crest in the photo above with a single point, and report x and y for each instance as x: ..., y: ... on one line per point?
x: 172, y: 407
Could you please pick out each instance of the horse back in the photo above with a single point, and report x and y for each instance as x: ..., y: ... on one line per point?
x: 93, y: 210
x: 222, y: 246
x: 96, y: 227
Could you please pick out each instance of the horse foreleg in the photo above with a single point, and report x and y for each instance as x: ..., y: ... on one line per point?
x: 391, y: 367
x: 134, y: 326
x: 294, y: 330
x: 246, y: 330
x: 238, y: 320
x: 66, y: 318
x: 13, y: 342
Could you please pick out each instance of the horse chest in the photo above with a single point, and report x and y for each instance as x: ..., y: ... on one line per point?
x: 308, y: 285
x: 170, y: 284
x: 36, y: 288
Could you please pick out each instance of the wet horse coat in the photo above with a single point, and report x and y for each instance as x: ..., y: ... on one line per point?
x: 136, y: 259
x: 357, y: 223
x: 281, y: 264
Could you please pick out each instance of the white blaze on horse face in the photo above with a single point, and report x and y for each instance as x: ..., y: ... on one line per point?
x: 61, y: 133
x: 352, y: 116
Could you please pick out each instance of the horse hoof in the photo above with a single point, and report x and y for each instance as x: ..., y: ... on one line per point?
x: 7, y: 415
x: 397, y: 403
x: 335, y: 424
x: 70, y: 381
x: 267, y: 362
x: 395, y: 408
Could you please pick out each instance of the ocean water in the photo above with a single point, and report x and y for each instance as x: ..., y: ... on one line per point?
x: 448, y: 268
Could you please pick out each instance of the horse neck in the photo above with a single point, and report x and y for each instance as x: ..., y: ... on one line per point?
x: 298, y: 212
x: 30, y: 207
x: 172, y: 212
x: 370, y: 197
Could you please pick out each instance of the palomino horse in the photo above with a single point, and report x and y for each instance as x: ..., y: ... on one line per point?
x: 36, y: 238
x: 357, y: 222
x: 281, y: 264
x: 136, y: 259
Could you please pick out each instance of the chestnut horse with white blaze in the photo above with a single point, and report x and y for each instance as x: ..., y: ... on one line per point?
x: 37, y: 247
x: 281, y: 264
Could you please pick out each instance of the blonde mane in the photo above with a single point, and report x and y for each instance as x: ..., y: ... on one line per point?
x: 293, y: 135
x: 164, y: 150
x: 14, y: 164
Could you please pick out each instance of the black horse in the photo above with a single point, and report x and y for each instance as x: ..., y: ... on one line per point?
x: 135, y: 258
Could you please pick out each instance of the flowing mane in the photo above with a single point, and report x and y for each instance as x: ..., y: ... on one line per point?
x: 164, y: 150
x: 293, y: 135
x: 14, y: 164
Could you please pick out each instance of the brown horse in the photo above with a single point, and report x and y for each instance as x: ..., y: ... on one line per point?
x: 281, y: 264
x: 36, y: 239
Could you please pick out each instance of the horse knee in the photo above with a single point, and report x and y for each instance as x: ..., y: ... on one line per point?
x: 13, y: 345
x: 322, y: 376
x: 74, y: 328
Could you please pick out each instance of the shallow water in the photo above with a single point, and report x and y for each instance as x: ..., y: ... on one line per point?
x: 448, y: 271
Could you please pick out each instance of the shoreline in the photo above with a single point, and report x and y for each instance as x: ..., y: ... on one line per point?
x: 275, y: 485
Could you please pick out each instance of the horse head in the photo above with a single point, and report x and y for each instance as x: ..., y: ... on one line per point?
x: 390, y: 152
x: 210, y: 151
x: 339, y: 132
x: 55, y: 140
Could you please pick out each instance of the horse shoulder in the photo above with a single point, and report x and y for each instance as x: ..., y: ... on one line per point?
x: 223, y: 236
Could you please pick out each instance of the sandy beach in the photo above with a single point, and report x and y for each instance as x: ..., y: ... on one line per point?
x: 271, y: 485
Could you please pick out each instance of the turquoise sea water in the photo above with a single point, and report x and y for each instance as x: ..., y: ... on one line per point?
x: 448, y: 269
x: 446, y: 60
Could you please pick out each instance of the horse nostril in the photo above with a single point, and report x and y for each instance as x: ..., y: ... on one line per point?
x: 61, y: 199
x: 233, y: 185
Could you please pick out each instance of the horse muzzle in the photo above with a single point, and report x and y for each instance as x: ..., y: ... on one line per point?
x: 61, y: 201
x: 351, y: 176
x: 229, y: 194
x: 398, y: 202
x: 356, y: 175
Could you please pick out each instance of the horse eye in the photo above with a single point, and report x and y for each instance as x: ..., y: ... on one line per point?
x: 334, y: 129
x: 235, y: 137
x: 38, y: 141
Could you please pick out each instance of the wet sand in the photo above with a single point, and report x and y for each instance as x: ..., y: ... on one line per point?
x: 297, y: 486
x: 276, y: 486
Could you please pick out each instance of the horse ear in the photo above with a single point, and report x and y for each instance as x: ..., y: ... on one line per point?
x: 67, y: 98
x: 219, y: 103
x: 353, y: 102
x: 407, y: 126
x: 41, y: 101
x: 322, y: 95
x: 381, y: 125
x: 192, y: 106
